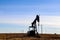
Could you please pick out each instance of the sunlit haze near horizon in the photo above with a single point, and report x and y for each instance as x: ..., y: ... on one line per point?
x: 17, y: 15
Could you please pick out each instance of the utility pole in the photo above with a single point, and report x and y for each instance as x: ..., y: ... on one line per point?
x: 41, y: 29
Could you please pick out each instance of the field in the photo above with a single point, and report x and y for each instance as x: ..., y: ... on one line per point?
x: 23, y: 36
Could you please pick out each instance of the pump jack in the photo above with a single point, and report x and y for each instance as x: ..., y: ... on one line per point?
x: 33, y: 32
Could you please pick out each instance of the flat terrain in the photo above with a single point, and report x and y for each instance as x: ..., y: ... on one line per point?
x: 23, y: 36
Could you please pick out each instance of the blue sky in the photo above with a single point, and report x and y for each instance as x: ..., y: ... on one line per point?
x: 16, y: 15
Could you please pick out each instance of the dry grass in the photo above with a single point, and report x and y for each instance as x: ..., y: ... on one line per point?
x: 23, y: 36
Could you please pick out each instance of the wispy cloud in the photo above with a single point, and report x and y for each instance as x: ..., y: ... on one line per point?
x: 45, y: 20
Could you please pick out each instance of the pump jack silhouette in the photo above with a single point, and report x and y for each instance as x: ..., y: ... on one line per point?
x: 33, y: 32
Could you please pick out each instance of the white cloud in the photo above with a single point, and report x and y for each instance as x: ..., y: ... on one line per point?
x: 50, y: 20
x: 17, y: 19
x: 44, y: 20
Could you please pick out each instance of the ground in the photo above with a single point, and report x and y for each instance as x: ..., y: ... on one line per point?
x: 23, y: 36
